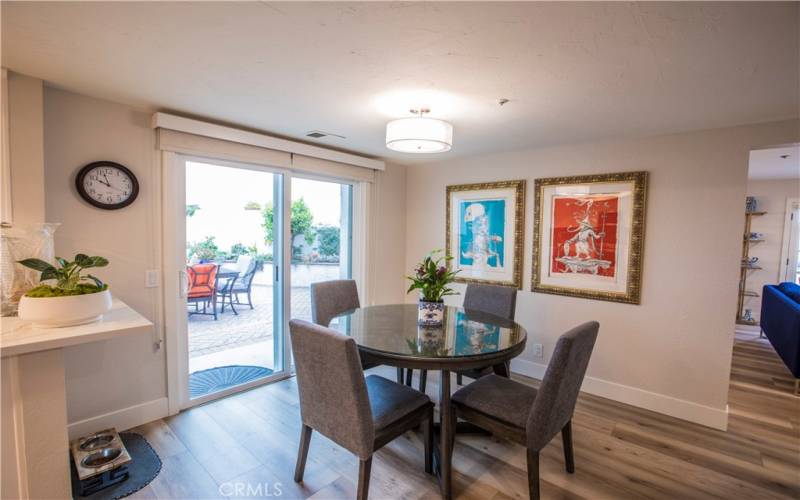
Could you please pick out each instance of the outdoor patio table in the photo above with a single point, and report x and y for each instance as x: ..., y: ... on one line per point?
x: 390, y: 335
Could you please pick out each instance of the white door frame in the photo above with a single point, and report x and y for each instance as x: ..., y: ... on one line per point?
x: 786, y: 251
x: 176, y: 280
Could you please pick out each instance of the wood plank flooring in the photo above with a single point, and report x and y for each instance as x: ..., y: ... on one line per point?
x: 245, y: 446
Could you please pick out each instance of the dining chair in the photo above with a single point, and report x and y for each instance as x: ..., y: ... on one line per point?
x: 202, y: 288
x: 528, y: 416
x: 330, y: 299
x: 360, y: 414
x: 497, y: 300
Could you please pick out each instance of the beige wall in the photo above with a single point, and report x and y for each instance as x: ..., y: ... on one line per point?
x: 107, y: 376
x: 26, y: 148
x: 771, y: 196
x: 672, y: 353
x: 388, y: 226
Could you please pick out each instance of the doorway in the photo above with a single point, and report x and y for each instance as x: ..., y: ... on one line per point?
x: 243, y: 243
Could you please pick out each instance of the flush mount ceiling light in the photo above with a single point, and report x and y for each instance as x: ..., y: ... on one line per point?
x: 419, y: 134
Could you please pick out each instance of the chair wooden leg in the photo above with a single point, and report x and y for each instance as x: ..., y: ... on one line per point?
x: 459, y: 379
x: 302, y: 453
x: 364, y: 467
x: 423, y: 380
x: 533, y: 474
x: 427, y: 436
x: 399, y: 375
x: 569, y: 457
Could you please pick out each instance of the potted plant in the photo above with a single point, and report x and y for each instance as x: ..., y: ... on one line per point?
x: 74, y: 299
x: 431, y: 278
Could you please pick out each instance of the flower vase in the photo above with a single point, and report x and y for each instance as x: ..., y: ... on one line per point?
x: 431, y: 313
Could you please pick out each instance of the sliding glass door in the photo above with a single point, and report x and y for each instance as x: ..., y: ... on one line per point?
x: 321, y: 237
x: 243, y: 243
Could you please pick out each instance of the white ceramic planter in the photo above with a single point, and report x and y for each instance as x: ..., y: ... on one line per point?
x: 50, y: 312
x: 431, y: 313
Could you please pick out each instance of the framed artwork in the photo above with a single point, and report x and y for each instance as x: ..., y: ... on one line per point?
x: 589, y: 236
x: 485, y: 224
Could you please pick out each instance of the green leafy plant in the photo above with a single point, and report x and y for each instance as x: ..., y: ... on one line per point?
x: 431, y: 277
x: 192, y: 209
x: 204, y: 250
x: 237, y: 249
x: 69, y: 280
x: 302, y: 221
x: 329, y: 240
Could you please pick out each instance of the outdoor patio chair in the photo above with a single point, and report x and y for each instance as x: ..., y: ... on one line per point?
x: 202, y: 288
x: 244, y: 283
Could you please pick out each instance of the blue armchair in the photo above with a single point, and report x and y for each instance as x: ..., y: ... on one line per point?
x: 780, y: 322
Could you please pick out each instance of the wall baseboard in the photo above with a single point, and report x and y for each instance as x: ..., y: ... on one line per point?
x: 659, y: 403
x: 121, y: 419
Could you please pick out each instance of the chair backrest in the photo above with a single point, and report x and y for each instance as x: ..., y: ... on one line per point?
x: 333, y: 394
x: 558, y: 393
x: 202, y: 279
x: 493, y: 299
x: 246, y: 278
x: 243, y: 263
x: 331, y: 298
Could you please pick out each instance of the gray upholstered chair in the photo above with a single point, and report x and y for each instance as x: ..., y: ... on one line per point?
x: 500, y: 301
x: 529, y: 416
x: 330, y: 299
x: 360, y: 414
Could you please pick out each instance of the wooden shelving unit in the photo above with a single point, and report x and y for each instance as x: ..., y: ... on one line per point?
x: 746, y: 268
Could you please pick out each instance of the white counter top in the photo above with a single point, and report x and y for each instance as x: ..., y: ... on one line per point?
x: 19, y: 337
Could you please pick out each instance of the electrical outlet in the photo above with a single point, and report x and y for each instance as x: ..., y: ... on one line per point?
x: 152, y: 278
x: 537, y: 351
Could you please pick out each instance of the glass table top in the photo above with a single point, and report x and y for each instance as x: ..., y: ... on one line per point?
x: 393, y: 329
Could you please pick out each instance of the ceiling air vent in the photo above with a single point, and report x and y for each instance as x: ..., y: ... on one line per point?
x: 318, y: 134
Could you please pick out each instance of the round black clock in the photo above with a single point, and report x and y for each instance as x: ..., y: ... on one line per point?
x: 107, y: 185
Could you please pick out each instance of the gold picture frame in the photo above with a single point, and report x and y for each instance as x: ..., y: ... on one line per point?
x: 587, y: 203
x: 498, y: 202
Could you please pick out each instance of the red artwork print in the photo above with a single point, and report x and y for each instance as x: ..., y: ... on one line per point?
x: 584, y: 234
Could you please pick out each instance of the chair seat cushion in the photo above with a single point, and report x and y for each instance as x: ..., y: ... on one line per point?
x: 390, y: 401
x: 498, y: 397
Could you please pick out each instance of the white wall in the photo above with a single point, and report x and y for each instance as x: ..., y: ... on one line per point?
x: 107, y: 376
x: 389, y: 222
x: 672, y: 353
x: 771, y: 196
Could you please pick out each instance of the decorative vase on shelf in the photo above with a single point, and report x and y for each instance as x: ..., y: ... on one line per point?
x: 431, y: 313
x: 751, y: 205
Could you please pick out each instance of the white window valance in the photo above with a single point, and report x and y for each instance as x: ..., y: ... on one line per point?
x: 197, y: 138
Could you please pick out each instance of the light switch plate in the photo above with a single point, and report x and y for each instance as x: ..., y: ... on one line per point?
x: 537, y: 351
x: 152, y: 278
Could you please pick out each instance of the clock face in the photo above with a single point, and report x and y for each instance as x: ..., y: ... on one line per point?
x: 107, y: 185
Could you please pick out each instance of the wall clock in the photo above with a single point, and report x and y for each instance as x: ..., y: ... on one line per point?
x: 107, y: 185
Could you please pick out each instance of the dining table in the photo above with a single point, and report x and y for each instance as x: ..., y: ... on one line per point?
x: 466, y: 340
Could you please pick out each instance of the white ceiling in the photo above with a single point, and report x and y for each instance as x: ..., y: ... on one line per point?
x: 780, y: 162
x: 573, y: 72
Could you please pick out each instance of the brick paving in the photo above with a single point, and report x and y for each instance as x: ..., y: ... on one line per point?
x: 207, y: 336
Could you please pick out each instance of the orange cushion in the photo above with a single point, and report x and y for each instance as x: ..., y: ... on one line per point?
x: 203, y: 278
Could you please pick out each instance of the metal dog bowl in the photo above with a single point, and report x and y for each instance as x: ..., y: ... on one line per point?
x: 100, y: 440
x: 101, y: 458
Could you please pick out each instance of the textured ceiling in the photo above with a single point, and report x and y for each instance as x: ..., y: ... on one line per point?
x: 573, y: 72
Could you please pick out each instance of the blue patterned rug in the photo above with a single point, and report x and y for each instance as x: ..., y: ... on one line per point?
x: 222, y: 377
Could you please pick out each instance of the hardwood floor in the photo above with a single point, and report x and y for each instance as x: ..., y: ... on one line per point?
x: 245, y: 446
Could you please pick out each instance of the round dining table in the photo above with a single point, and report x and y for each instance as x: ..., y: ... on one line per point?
x: 466, y: 339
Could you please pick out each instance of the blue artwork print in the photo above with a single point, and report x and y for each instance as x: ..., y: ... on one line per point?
x: 482, y: 225
x: 474, y: 337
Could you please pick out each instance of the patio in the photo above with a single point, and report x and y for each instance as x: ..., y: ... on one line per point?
x: 226, y: 337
